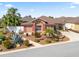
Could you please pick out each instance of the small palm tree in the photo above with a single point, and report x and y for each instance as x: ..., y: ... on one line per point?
x: 49, y: 32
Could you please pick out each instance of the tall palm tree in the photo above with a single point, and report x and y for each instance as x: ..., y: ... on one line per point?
x: 12, y: 11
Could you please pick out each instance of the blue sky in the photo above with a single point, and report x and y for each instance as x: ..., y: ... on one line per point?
x: 37, y: 9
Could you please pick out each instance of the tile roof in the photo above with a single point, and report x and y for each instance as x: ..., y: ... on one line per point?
x: 52, y: 21
x: 27, y: 18
x: 73, y: 20
x: 47, y: 19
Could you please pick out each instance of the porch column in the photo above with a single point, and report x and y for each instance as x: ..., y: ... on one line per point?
x: 43, y: 27
x: 33, y: 28
x: 25, y: 29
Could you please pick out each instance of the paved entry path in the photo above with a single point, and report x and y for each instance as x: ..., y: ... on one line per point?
x: 35, y: 44
x: 73, y: 36
x: 32, y: 42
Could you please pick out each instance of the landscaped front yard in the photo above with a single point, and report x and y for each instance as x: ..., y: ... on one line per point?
x: 11, y: 41
x: 50, y: 40
x: 48, y: 37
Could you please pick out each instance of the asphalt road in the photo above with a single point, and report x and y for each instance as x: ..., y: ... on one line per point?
x: 60, y: 50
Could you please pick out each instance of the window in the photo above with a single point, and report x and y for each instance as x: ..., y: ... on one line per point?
x: 38, y: 28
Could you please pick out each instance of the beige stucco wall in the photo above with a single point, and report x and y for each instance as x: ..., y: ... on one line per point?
x: 76, y: 27
x: 28, y: 30
x: 69, y: 25
x: 51, y: 27
x: 72, y: 26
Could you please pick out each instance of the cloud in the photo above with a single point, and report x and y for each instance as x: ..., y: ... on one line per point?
x: 32, y: 10
x: 63, y: 8
x: 9, y: 5
x: 75, y: 2
x: 72, y: 6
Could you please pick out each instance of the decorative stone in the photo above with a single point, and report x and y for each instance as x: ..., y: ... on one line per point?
x: 18, y: 45
x: 1, y: 49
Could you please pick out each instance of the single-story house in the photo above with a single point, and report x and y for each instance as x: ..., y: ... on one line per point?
x: 40, y: 24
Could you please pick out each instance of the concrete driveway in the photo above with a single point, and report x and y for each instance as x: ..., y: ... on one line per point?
x: 71, y: 35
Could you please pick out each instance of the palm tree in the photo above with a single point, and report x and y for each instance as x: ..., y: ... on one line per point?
x: 12, y: 11
x: 51, y: 17
x: 49, y: 32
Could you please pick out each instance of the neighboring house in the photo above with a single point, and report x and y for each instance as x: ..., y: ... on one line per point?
x: 69, y: 26
x: 72, y: 23
x: 27, y: 24
x: 73, y: 26
x: 40, y: 24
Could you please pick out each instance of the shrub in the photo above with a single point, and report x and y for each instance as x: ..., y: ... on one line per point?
x: 26, y: 43
x: 2, y: 38
x: 21, y: 32
x: 36, y: 40
x: 0, y: 42
x: 4, y: 32
x: 56, y: 40
x: 56, y: 37
x: 47, y: 41
x: 7, y: 44
x: 37, y: 35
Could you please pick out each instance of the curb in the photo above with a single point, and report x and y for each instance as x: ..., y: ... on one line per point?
x: 18, y: 50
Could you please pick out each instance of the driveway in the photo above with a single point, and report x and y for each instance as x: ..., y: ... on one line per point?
x: 73, y: 36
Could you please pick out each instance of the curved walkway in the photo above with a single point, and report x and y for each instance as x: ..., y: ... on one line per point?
x: 35, y: 44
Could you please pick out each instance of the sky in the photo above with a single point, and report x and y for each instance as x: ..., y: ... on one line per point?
x: 37, y: 9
